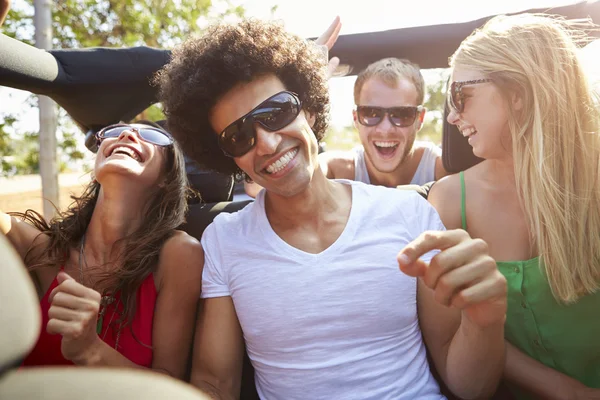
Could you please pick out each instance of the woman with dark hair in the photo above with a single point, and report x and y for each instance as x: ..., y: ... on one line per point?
x: 118, y: 283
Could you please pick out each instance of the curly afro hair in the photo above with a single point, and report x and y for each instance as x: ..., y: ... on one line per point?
x: 203, y: 69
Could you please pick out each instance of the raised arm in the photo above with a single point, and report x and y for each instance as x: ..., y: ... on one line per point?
x: 4, y: 8
x: 218, y: 350
x: 20, y: 234
x: 327, y: 40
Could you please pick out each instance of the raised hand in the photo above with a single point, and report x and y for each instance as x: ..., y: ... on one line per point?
x: 327, y: 40
x: 462, y: 274
x: 329, y: 37
x: 73, y: 314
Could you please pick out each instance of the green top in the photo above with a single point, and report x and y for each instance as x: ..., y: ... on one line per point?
x: 563, y: 337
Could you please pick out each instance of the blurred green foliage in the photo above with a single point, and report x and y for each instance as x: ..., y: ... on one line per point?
x: 98, y: 23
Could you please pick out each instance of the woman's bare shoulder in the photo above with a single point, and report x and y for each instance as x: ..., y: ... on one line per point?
x: 445, y: 197
x: 181, y: 258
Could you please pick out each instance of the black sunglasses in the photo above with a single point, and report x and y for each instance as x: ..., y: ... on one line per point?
x: 398, y: 116
x: 273, y: 114
x: 456, y: 98
x: 147, y: 133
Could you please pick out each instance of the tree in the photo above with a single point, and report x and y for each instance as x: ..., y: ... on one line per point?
x: 118, y: 23
x: 110, y: 23
x: 6, y: 148
x: 341, y: 138
x: 435, y: 100
x: 47, y: 114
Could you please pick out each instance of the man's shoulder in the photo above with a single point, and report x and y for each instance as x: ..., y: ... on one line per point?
x: 378, y: 195
x: 232, y: 218
x: 338, y: 163
x: 232, y: 223
x: 397, y: 210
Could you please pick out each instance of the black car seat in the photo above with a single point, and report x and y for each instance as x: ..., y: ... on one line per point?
x: 20, y: 322
x: 457, y: 153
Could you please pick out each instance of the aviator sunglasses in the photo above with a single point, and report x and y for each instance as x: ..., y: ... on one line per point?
x: 456, y: 98
x: 400, y: 117
x: 273, y: 114
x: 147, y: 133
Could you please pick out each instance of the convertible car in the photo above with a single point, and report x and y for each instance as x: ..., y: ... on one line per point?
x: 84, y: 83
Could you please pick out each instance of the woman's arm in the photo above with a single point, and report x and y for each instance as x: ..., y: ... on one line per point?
x: 23, y: 237
x: 542, y: 381
x: 4, y: 8
x: 445, y: 197
x: 20, y: 234
x: 175, y: 315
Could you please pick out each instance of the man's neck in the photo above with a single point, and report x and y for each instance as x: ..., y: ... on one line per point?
x: 402, y: 175
x: 320, y: 197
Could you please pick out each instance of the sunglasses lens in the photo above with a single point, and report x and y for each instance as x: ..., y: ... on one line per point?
x: 277, y: 112
x: 147, y: 134
x: 113, y: 132
x: 155, y: 136
x: 238, y: 138
x: 273, y: 114
x: 403, y: 116
x: 455, y: 97
x: 370, y: 116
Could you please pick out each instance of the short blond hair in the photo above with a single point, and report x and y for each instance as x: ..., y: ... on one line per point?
x: 391, y: 71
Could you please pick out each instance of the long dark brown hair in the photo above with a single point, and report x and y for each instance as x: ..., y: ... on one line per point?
x: 138, y: 252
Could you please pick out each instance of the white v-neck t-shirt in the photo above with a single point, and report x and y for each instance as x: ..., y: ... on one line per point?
x: 341, y: 324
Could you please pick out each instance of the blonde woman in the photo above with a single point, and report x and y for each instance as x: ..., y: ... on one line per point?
x: 518, y: 92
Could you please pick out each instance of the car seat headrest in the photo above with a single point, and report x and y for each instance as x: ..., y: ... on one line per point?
x: 68, y: 383
x: 20, y: 318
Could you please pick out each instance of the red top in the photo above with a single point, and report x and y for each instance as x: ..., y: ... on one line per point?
x: 47, y: 349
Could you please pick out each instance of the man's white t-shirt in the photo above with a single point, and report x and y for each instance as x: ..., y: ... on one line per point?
x: 341, y: 324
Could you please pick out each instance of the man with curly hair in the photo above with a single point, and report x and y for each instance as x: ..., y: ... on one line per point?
x: 306, y: 277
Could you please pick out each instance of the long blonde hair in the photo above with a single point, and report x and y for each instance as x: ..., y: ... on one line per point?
x: 555, y: 138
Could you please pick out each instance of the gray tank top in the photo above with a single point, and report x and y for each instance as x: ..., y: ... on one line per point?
x: 425, y: 171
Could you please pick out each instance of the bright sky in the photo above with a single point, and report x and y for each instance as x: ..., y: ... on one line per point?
x: 309, y: 18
